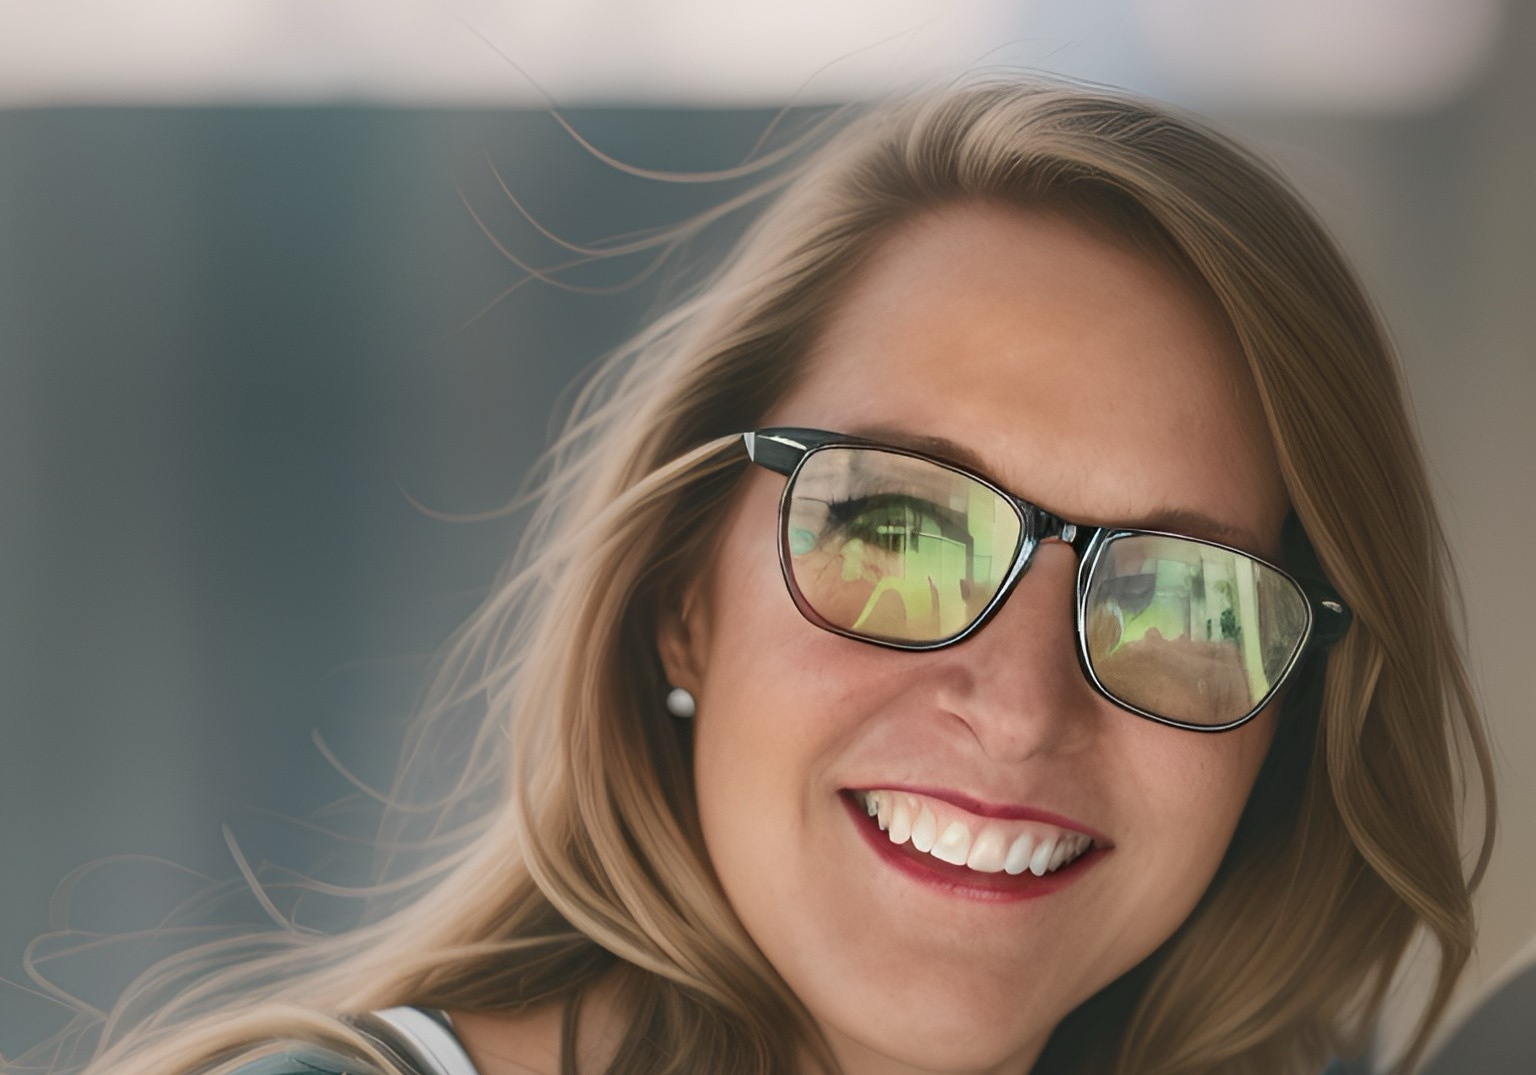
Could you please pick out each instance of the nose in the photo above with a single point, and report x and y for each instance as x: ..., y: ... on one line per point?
x: 1016, y: 683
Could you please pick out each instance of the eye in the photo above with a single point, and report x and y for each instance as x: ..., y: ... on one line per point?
x: 895, y: 522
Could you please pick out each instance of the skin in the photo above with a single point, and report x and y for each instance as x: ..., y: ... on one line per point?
x: 1095, y: 382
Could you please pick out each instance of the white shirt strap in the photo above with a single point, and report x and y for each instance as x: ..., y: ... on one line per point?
x: 429, y: 1043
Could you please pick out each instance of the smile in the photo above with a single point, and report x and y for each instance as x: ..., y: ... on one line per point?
x: 983, y: 845
x: 960, y: 853
x: 958, y: 838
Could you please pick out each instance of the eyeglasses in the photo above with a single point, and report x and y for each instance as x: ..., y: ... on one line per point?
x: 895, y: 548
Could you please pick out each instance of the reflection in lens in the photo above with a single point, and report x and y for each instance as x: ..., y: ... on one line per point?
x: 1187, y: 630
x: 896, y: 548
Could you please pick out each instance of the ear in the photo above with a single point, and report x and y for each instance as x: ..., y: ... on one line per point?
x: 682, y: 638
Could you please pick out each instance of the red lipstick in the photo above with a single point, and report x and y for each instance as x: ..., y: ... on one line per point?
x: 961, y: 881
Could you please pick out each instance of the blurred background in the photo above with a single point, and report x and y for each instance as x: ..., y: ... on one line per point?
x: 266, y: 319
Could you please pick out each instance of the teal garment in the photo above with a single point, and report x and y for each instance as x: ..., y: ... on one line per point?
x: 318, y: 1061
x: 313, y: 1060
x: 302, y: 1060
x: 419, y: 1040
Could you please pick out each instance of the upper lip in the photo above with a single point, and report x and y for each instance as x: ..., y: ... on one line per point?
x: 1006, y: 811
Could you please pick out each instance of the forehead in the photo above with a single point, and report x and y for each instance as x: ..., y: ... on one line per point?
x: 1079, y: 373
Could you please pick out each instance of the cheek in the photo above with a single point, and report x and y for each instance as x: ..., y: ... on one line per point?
x: 780, y: 702
x: 778, y: 695
x: 1194, y: 788
x: 764, y: 668
x: 752, y: 716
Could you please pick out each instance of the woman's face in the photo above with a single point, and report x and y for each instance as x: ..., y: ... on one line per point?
x: 1092, y: 381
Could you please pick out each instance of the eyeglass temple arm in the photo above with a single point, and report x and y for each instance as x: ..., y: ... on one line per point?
x: 781, y: 448
x: 1331, y: 617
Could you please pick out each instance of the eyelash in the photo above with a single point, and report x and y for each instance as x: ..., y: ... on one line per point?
x: 845, y: 513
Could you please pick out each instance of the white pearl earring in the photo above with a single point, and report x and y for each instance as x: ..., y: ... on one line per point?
x: 680, y: 703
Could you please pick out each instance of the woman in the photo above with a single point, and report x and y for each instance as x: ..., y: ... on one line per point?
x: 997, y: 626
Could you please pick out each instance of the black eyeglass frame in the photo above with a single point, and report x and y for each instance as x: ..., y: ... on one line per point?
x: 785, y: 449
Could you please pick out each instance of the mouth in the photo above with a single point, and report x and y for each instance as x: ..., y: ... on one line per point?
x: 980, y: 858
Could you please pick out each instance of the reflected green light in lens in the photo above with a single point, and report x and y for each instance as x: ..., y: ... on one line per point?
x: 1188, y: 630
x: 896, y: 547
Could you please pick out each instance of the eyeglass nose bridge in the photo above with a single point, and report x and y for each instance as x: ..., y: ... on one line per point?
x: 1038, y: 527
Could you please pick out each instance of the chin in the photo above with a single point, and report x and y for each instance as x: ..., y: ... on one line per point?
x: 933, y: 1030
x: 955, y: 1054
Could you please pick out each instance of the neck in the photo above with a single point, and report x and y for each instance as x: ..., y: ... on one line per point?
x: 855, y: 1057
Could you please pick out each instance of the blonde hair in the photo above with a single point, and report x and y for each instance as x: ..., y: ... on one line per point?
x: 591, y: 859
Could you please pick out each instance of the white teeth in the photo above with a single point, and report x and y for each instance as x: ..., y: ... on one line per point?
x: 906, y: 818
x: 988, y: 852
x: 925, y: 829
x: 953, y: 845
x: 900, y: 830
x: 1018, y: 855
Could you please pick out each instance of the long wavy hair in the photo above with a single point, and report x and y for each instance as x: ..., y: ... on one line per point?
x: 582, y: 856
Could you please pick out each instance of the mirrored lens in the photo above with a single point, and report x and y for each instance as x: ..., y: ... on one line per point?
x: 895, y: 548
x: 1189, y: 631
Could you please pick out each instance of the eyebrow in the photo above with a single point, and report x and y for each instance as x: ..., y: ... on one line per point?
x: 1185, y: 521
x: 942, y: 447
x: 1198, y: 524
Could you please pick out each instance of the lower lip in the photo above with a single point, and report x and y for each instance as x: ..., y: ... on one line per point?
x: 960, y: 881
